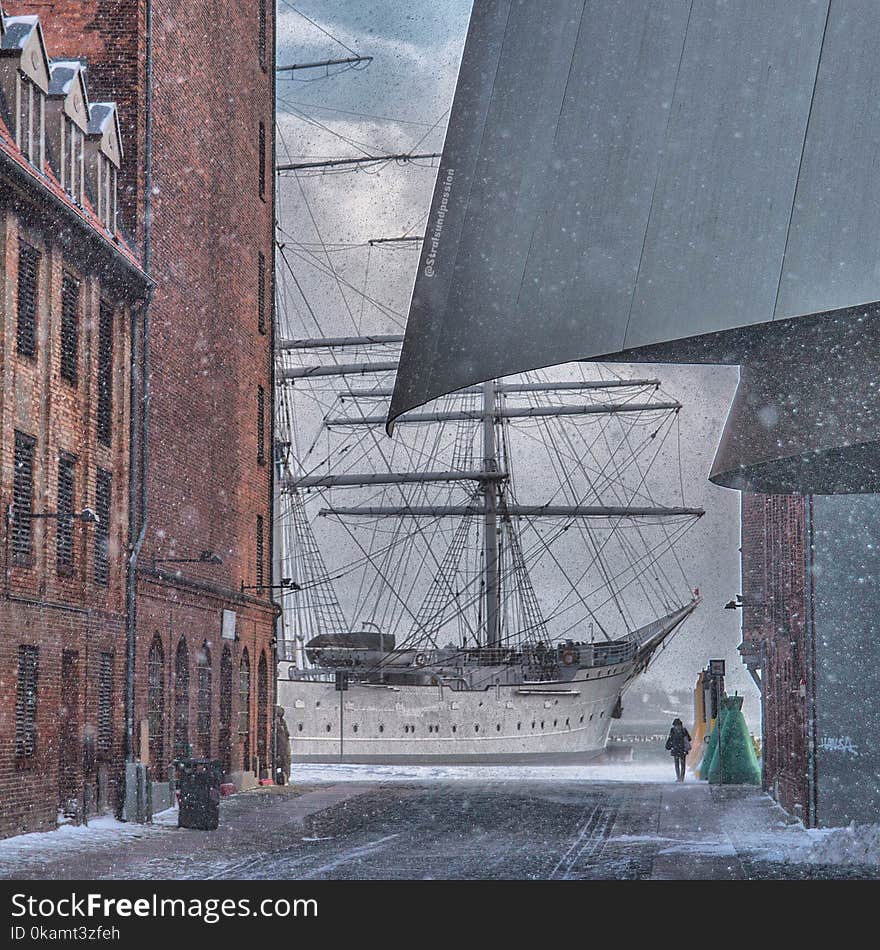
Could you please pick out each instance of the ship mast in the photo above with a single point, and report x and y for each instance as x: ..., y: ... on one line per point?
x: 490, y: 489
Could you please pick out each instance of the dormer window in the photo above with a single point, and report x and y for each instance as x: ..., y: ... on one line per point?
x: 74, y: 165
x: 31, y: 120
x: 107, y: 192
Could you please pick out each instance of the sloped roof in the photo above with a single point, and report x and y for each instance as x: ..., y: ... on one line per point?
x: 17, y: 31
x: 63, y: 73
x: 101, y: 114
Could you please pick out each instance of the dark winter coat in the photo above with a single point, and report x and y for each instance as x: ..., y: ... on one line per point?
x: 676, y: 741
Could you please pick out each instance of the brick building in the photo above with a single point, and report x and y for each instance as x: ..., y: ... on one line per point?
x: 811, y: 581
x: 72, y: 296
x: 195, y: 87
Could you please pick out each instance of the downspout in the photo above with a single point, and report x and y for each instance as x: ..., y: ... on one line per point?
x: 140, y: 396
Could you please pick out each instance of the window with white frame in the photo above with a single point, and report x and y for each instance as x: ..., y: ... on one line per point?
x: 107, y: 192
x: 31, y: 120
x: 74, y: 159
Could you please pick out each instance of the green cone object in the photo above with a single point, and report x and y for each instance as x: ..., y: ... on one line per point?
x: 737, y: 750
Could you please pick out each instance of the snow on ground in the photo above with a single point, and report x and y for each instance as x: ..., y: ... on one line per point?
x: 319, y: 774
x: 101, y: 832
x: 787, y: 842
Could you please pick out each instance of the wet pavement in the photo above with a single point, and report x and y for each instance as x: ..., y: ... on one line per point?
x: 449, y: 829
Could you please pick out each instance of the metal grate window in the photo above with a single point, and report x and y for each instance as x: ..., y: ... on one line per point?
x: 26, y: 701
x: 181, y: 702
x: 259, y: 553
x: 262, y: 710
x: 64, y: 525
x: 105, y: 373
x: 261, y: 425
x: 28, y: 275
x: 23, y: 496
x: 103, y: 488
x: 262, y: 159
x: 156, y: 706
x: 244, y: 695
x: 105, y: 703
x: 262, y: 33
x: 261, y: 292
x: 69, y: 328
x: 203, y: 713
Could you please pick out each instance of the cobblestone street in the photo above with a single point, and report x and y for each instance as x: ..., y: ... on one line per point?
x: 450, y: 827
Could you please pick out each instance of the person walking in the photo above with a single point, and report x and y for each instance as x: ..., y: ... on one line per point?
x: 679, y: 744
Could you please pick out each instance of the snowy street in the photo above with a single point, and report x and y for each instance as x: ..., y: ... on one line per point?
x: 620, y: 821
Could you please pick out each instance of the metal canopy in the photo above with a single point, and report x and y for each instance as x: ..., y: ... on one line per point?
x: 620, y: 180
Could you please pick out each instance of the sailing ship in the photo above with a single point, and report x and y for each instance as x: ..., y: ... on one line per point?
x: 489, y: 583
x: 456, y: 655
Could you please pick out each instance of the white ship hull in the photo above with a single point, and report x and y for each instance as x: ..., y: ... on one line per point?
x: 504, y: 723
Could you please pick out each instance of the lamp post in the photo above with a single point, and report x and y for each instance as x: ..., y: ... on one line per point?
x: 205, y: 557
x: 286, y: 583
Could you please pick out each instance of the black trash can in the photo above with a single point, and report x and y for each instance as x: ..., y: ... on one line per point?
x: 199, y: 787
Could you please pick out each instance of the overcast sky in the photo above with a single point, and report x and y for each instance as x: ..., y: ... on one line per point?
x: 398, y: 102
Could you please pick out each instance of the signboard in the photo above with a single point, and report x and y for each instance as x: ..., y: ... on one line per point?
x: 228, y: 625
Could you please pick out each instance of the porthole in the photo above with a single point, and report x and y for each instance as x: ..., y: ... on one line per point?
x: 300, y: 727
x: 406, y: 728
x: 455, y: 728
x: 498, y: 727
x: 381, y: 727
x: 329, y: 727
x: 354, y: 728
x: 476, y: 727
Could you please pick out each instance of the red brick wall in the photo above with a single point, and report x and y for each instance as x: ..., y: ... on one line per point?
x: 205, y: 488
x: 29, y: 787
x: 38, y: 606
x: 774, y: 566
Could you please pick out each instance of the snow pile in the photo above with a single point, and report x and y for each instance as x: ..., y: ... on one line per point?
x: 69, y: 839
x: 855, y: 844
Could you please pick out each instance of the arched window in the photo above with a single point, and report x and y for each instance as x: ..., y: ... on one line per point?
x: 244, y: 709
x: 156, y: 706
x: 203, y: 718
x: 262, y: 711
x: 226, y: 709
x: 181, y: 701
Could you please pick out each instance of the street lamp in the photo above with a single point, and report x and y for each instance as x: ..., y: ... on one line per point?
x: 86, y: 515
x: 206, y: 557
x: 286, y: 583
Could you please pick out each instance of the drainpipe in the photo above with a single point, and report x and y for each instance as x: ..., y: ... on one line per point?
x: 139, y: 409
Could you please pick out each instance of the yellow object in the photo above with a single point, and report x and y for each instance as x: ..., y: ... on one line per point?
x: 702, y: 725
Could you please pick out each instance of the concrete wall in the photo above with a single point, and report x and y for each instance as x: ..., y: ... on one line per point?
x: 846, y: 604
